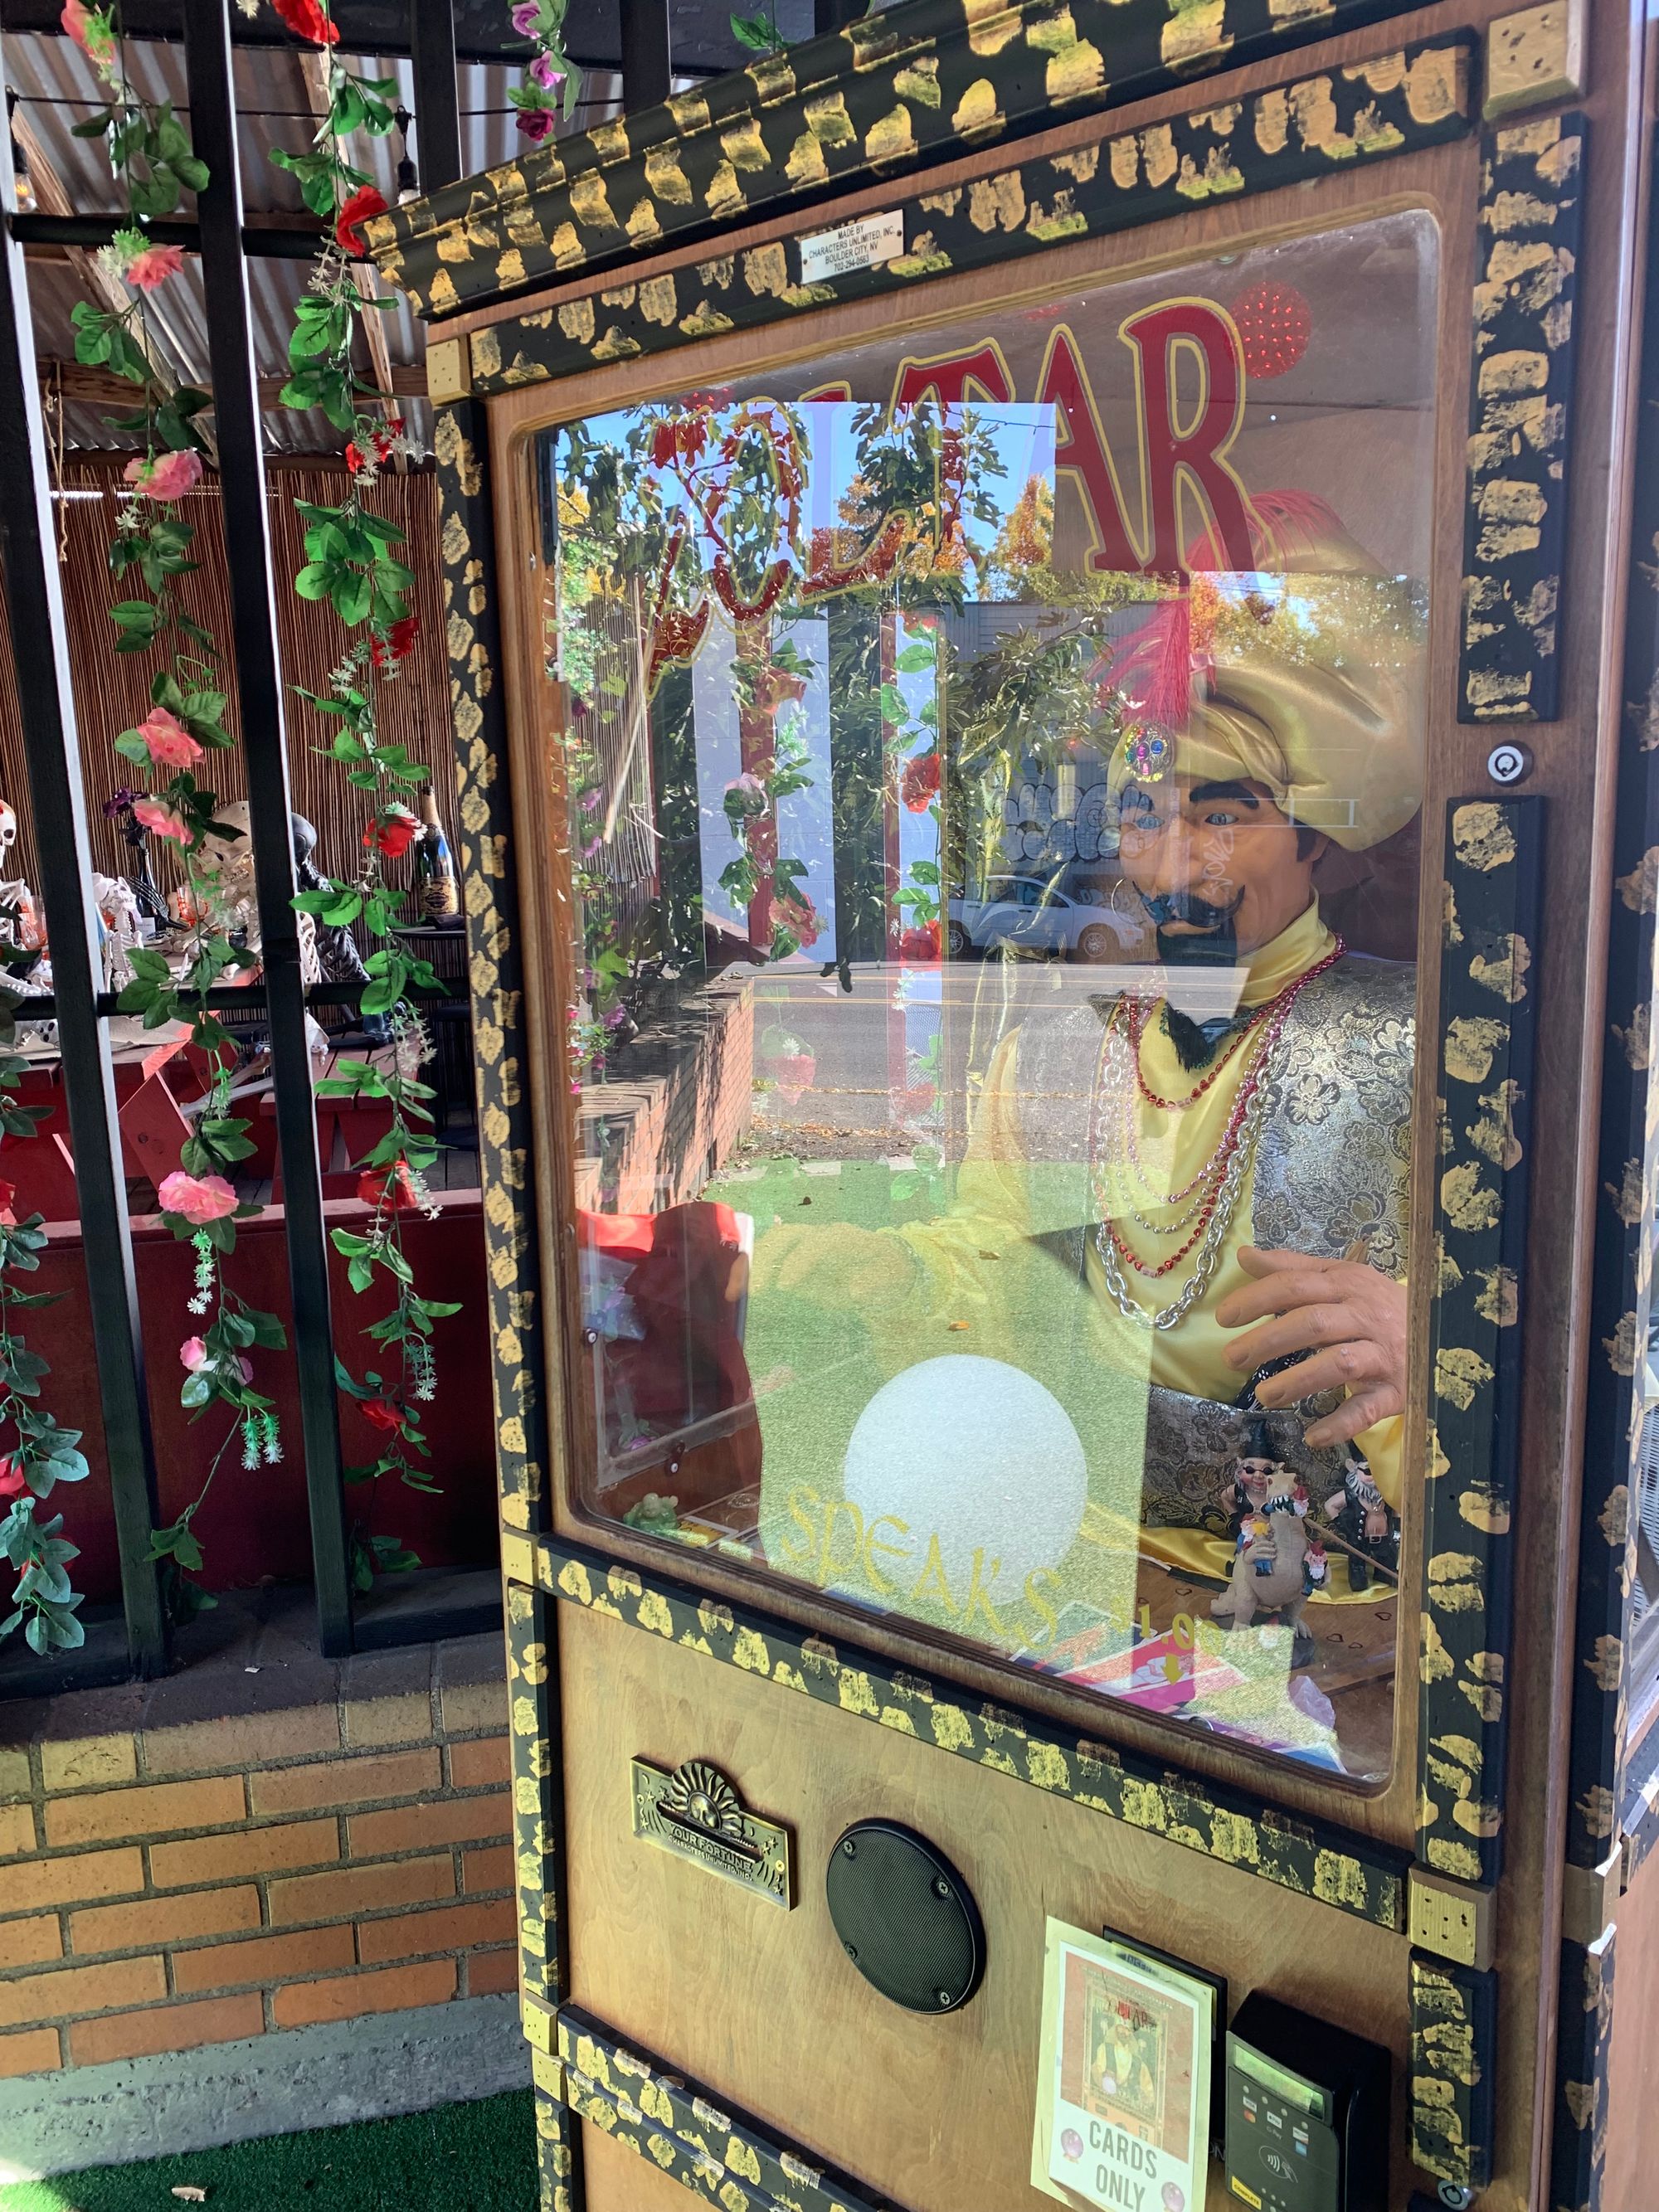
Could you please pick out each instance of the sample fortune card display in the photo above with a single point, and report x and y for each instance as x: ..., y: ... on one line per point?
x: 1123, y: 2085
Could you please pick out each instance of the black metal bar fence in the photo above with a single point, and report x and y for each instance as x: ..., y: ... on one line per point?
x: 264, y: 748
x: 78, y: 1004
x: 51, y: 743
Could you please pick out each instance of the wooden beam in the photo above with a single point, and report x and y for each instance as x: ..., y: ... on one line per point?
x: 101, y: 387
x: 105, y: 290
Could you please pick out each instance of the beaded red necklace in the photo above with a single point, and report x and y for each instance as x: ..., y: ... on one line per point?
x: 1114, y: 1157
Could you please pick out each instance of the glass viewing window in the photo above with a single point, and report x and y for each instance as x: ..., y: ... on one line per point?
x: 990, y: 798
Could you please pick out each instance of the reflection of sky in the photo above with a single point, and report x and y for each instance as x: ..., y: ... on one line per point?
x: 1022, y: 437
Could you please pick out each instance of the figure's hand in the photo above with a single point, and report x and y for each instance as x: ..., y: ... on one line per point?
x: 1347, y: 1317
x: 836, y: 1266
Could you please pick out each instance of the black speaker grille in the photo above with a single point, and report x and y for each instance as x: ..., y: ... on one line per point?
x: 905, y: 1916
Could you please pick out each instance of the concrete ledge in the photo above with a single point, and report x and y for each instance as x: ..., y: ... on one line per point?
x: 270, y: 2085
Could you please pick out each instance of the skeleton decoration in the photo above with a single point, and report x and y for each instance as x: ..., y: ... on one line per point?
x: 118, y: 931
x: 21, y: 922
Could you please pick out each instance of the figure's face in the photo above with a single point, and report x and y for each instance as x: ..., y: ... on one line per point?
x: 1255, y: 1476
x: 1217, y: 864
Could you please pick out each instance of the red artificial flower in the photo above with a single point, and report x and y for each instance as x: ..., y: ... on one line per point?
x: 385, y: 1415
x: 536, y: 123
x: 919, y: 782
x: 393, y: 1187
x: 920, y: 945
x: 7, y: 1201
x: 14, y: 1476
x: 391, y: 835
x: 354, y: 460
x: 308, y: 20
x: 398, y: 643
x: 364, y: 202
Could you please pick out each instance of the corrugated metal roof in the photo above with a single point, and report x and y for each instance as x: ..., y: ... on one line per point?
x: 57, y: 89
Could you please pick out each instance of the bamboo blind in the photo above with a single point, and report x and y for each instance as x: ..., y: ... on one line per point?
x: 111, y: 689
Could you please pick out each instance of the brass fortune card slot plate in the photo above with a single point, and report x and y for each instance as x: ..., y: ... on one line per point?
x: 697, y: 1814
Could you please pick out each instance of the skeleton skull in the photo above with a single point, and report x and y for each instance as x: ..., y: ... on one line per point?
x: 227, y: 861
x: 8, y: 836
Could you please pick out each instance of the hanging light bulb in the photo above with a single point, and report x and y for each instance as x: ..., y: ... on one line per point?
x: 408, y: 183
x: 22, y: 185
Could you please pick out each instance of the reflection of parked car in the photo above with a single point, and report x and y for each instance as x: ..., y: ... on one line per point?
x: 1039, y: 915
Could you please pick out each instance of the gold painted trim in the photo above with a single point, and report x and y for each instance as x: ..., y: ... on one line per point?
x: 540, y: 2023
x: 518, y: 1559
x: 1454, y: 1920
x: 1589, y: 1899
x: 448, y: 370
x: 1535, y: 57
x: 547, y: 2070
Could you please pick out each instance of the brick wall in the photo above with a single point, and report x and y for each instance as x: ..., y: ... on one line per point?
x: 193, y: 1882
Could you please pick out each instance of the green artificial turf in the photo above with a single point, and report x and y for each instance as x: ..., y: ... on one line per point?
x: 478, y: 2157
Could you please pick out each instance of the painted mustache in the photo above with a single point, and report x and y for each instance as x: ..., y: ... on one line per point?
x: 1166, y: 907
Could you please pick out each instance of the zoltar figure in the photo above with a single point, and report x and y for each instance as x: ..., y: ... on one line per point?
x: 1176, y: 1190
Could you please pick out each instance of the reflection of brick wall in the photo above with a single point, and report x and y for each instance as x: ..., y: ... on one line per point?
x: 664, y: 1136
x: 187, y: 1882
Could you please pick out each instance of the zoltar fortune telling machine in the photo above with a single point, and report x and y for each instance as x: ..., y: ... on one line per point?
x: 1051, y: 620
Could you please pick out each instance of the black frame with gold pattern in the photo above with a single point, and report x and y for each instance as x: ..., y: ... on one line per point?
x: 874, y: 112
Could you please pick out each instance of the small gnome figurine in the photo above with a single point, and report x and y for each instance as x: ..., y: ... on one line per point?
x: 1362, y: 1516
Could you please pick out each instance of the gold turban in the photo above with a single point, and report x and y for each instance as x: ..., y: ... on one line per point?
x: 1307, y: 680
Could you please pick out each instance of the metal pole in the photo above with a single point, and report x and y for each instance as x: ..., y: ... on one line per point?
x: 264, y: 745
x: 437, y: 100
x: 51, y: 745
x: 647, y: 81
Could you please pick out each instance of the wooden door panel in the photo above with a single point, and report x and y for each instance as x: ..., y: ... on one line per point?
x: 762, y: 2006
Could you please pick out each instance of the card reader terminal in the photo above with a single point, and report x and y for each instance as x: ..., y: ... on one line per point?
x: 1307, y: 2113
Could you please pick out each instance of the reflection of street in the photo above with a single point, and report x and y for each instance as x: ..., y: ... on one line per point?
x: 872, y: 1092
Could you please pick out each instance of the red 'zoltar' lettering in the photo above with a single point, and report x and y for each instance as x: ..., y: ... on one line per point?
x: 1197, y: 454
x: 950, y: 377
x: 1081, y: 449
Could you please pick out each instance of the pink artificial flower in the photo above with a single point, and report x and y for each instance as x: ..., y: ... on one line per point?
x: 150, y: 270
x: 14, y: 1476
x: 535, y: 123
x: 164, y: 476
x: 161, y: 820
x: 168, y: 740
x: 542, y: 72
x: 90, y: 28
x: 526, y: 17
x: 194, y: 1355
x: 198, y: 1199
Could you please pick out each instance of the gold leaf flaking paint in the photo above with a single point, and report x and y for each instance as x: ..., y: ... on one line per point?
x: 891, y: 138
x: 807, y: 164
x: 665, y: 179
x: 590, y: 202
x: 1613, y: 1519
x: 1470, y: 1042
x: 725, y: 195
x: 1194, y: 33
x: 748, y: 1652
x: 659, y: 302
x: 1272, y: 122
x: 1483, y: 1508
x: 1158, y: 152
x: 1505, y: 973
x: 766, y: 271
x: 1455, y: 1583
x: 997, y: 202
x: 1492, y: 1132
x: 1498, y: 1299
x: 1482, y: 838
x: 990, y: 25
x: 1606, y: 1664
x: 1469, y: 1203
x: 951, y: 1729
x: 919, y: 82
x: 1461, y: 1859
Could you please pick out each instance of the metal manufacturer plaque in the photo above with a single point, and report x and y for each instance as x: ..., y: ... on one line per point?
x: 696, y: 1814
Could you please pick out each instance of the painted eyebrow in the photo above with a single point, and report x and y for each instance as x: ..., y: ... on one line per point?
x: 1202, y: 793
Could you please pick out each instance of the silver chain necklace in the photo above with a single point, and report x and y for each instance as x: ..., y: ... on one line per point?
x: 1215, y: 1236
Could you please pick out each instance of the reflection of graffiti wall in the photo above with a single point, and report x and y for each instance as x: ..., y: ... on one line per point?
x: 1043, y: 827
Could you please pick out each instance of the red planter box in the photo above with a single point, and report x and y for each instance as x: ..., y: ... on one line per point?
x: 255, y: 1522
